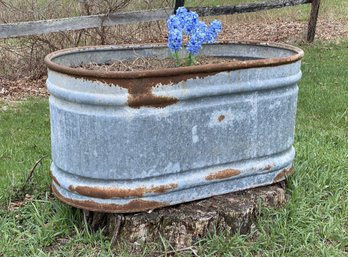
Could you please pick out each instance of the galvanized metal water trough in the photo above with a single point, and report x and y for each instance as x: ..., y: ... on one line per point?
x: 134, y: 141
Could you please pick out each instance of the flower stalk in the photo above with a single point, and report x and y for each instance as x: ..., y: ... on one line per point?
x: 190, y: 59
x: 177, y: 58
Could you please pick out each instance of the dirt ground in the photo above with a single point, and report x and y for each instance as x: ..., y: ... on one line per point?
x: 274, y: 31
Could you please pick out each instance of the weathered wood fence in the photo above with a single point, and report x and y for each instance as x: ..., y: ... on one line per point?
x: 20, y: 29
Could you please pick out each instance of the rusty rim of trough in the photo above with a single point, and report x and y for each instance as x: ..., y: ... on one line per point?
x: 167, y: 72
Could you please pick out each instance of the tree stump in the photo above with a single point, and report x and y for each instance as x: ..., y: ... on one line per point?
x: 182, y: 225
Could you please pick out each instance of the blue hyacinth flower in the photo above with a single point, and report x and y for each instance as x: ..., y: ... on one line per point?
x: 175, y: 40
x: 197, y: 38
x: 187, y: 22
x: 174, y: 22
x: 212, y: 31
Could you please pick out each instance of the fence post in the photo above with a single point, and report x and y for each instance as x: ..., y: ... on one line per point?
x: 178, y: 3
x: 313, y: 20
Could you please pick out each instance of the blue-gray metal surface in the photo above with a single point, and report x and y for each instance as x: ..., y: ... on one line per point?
x: 225, y: 131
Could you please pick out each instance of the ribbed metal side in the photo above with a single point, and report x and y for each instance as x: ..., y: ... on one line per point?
x: 191, y: 136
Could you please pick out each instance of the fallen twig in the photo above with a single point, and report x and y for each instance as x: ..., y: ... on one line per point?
x: 33, y: 169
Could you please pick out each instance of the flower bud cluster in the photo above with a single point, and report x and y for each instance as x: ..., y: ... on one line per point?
x: 187, y: 22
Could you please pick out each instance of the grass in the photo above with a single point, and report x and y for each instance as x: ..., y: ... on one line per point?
x: 313, y: 223
x: 22, y: 143
x: 43, y: 225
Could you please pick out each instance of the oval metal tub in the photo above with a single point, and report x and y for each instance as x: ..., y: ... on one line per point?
x: 134, y: 141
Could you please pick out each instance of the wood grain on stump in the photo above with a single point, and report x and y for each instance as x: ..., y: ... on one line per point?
x: 184, y: 224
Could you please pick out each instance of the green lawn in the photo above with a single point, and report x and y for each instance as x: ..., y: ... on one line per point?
x: 313, y: 223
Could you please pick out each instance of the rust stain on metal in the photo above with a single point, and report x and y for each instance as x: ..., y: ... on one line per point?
x: 140, y: 89
x: 222, y: 174
x: 54, y: 178
x: 107, y: 193
x: 140, y: 92
x: 284, y: 174
x: 164, y: 188
x: 133, y: 206
x: 268, y: 167
x: 221, y: 118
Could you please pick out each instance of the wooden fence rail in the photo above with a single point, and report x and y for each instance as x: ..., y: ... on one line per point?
x: 12, y: 30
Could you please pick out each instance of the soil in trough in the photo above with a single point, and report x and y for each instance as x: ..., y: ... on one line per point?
x: 142, y: 64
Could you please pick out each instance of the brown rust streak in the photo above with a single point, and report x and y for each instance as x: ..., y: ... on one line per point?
x: 54, y: 178
x: 107, y: 193
x: 268, y: 167
x: 221, y: 118
x: 140, y: 89
x: 284, y: 174
x: 132, y: 206
x: 222, y: 174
